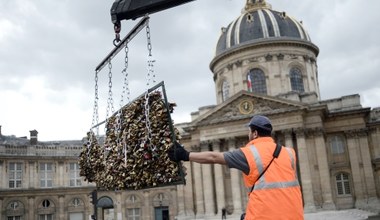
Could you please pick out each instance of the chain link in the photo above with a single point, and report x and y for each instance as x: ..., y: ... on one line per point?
x: 95, y: 116
x: 110, y: 98
x: 150, y: 76
x: 126, y: 92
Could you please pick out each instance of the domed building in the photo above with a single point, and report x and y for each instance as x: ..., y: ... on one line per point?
x: 266, y: 63
x: 265, y: 52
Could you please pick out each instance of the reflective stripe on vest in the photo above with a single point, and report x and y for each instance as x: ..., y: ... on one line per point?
x: 293, y: 160
x: 261, y: 184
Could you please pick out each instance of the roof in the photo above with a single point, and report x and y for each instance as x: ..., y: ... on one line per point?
x: 258, y: 23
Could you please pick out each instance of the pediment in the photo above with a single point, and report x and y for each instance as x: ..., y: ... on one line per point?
x: 244, y: 105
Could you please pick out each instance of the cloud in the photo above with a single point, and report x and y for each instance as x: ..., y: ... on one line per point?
x: 49, y: 51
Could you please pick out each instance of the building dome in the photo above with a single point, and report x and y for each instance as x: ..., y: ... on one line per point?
x: 259, y: 24
x: 265, y: 52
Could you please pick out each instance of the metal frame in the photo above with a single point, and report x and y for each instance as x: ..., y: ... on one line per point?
x: 135, y: 30
x: 161, y: 84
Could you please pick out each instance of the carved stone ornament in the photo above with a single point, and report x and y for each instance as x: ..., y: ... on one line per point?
x: 268, y: 57
x: 280, y: 56
x: 245, y: 107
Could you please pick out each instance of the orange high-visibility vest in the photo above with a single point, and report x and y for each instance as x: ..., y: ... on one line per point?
x: 277, y: 193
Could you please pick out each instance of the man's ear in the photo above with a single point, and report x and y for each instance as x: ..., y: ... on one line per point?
x: 255, y: 134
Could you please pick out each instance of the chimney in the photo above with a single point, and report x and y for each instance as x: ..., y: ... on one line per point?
x: 33, y: 137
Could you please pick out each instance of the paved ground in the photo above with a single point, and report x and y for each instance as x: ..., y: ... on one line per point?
x: 350, y: 214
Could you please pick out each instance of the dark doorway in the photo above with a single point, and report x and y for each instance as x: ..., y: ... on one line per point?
x: 161, y: 213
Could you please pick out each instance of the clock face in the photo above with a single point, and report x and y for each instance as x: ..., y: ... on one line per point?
x: 246, y: 107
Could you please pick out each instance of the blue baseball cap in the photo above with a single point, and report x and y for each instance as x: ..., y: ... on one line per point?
x: 261, y: 122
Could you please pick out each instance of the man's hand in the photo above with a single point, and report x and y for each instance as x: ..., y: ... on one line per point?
x: 177, y: 153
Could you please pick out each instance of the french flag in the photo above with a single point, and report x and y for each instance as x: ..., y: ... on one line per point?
x: 249, y: 83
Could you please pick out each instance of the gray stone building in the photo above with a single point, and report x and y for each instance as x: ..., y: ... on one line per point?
x: 41, y: 181
x: 265, y: 63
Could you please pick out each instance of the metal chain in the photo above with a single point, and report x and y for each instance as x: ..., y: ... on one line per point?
x: 150, y: 75
x: 126, y: 92
x: 95, y: 117
x: 110, y: 99
x: 117, y: 29
x: 151, y: 61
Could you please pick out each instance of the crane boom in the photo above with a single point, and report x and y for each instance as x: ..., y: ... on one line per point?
x: 132, y: 9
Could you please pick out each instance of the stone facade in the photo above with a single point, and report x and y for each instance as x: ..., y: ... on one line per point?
x: 40, y: 180
x: 337, y: 145
x: 337, y: 142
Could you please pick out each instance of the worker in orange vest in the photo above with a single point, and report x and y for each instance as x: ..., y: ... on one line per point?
x: 272, y: 180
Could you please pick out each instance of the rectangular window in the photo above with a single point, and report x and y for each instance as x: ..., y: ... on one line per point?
x: 15, y: 175
x: 14, y: 218
x: 337, y: 145
x: 46, y: 217
x: 133, y: 214
x: 46, y: 175
x: 75, y: 179
x: 347, y: 188
x: 343, y: 184
x: 76, y: 216
x: 340, y: 188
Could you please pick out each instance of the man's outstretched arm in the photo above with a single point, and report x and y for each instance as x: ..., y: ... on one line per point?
x: 179, y: 153
x: 209, y: 157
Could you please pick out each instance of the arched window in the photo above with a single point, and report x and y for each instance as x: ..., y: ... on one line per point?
x: 296, y: 80
x: 15, y: 210
x: 343, y: 184
x: 337, y: 145
x: 133, y: 199
x: 76, y: 202
x: 256, y: 82
x: 225, y: 90
x: 48, y: 208
x: 133, y: 210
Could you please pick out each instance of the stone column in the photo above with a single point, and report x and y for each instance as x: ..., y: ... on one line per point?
x: 172, y: 203
x: 199, y: 203
x: 288, y: 138
x: 32, y: 174
x: 235, y: 182
x: 219, y: 180
x: 117, y: 205
x: 147, y: 205
x: 181, y: 200
x: 62, y: 175
x: 353, y: 151
x: 2, y: 174
x: 303, y: 158
x: 208, y: 190
x: 1, y: 200
x: 369, y: 182
x: 25, y: 175
x: 31, y: 208
x: 61, y: 208
x: 324, y: 172
x: 185, y: 196
x: 188, y: 192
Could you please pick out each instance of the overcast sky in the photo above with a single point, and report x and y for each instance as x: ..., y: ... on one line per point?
x: 49, y: 51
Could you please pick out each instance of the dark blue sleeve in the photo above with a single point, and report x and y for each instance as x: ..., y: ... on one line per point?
x: 236, y: 159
